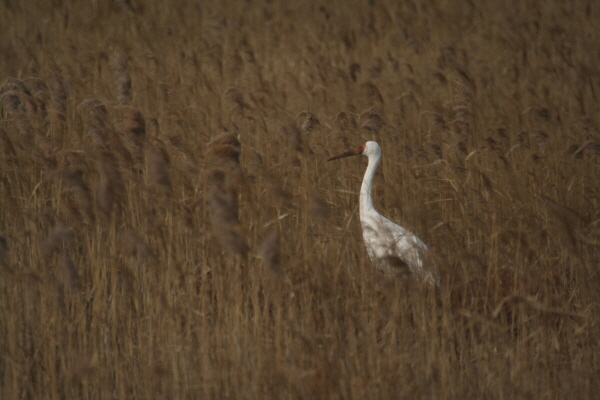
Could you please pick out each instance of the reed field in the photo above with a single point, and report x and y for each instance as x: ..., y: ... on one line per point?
x: 170, y: 227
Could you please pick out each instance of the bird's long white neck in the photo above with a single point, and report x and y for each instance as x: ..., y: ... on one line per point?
x: 366, y: 189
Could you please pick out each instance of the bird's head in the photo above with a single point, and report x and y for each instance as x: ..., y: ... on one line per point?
x: 366, y: 149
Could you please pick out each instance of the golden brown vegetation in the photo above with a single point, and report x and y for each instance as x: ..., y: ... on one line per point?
x: 169, y: 227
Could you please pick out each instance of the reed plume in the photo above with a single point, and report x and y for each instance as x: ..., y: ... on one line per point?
x: 224, y: 152
x: 346, y: 121
x: 22, y: 108
x: 59, y: 235
x: 122, y: 80
x: 157, y: 166
x: 95, y: 117
x: 59, y: 91
x: 100, y: 135
x: 371, y: 120
x: 310, y: 121
x: 70, y: 276
x: 222, y: 206
x: 75, y: 182
x: 225, y: 181
x: 132, y: 126
x: 110, y: 188
x: 269, y: 252
x: 236, y: 98
x: 293, y: 136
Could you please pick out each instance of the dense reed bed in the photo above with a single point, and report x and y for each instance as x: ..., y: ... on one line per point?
x: 169, y: 227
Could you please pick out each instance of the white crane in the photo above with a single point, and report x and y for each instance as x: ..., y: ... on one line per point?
x: 393, y: 249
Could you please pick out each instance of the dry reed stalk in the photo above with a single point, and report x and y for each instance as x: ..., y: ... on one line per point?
x: 273, y: 183
x: 463, y: 112
x: 59, y: 91
x: 81, y: 368
x: 222, y: 205
x: 269, y: 252
x: 123, y: 80
x: 73, y: 178
x: 58, y: 296
x: 95, y: 117
x: 132, y: 126
x: 110, y: 188
x: 277, y: 189
x: 127, y: 279
x: 132, y: 245
x: 408, y: 105
x: 4, y: 255
x: 542, y: 140
x: 293, y: 135
x: 567, y: 221
x: 157, y: 162
x: 59, y: 235
x: 536, y: 305
x: 190, y: 164
x: 41, y: 97
x: 70, y: 276
x: 100, y: 134
x: 318, y: 209
x: 189, y: 212
x: 341, y: 137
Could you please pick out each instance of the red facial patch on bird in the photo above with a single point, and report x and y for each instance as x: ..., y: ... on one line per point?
x: 360, y: 149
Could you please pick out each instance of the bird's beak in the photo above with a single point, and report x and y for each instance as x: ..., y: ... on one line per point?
x: 345, y: 154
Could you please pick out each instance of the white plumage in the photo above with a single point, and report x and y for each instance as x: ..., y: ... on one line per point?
x: 392, y: 248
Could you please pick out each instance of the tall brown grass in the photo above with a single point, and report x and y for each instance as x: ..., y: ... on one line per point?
x: 169, y: 227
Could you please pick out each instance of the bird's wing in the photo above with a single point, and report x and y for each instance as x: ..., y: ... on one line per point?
x: 386, y: 241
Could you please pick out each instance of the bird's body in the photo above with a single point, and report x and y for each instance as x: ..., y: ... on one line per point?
x: 393, y: 249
